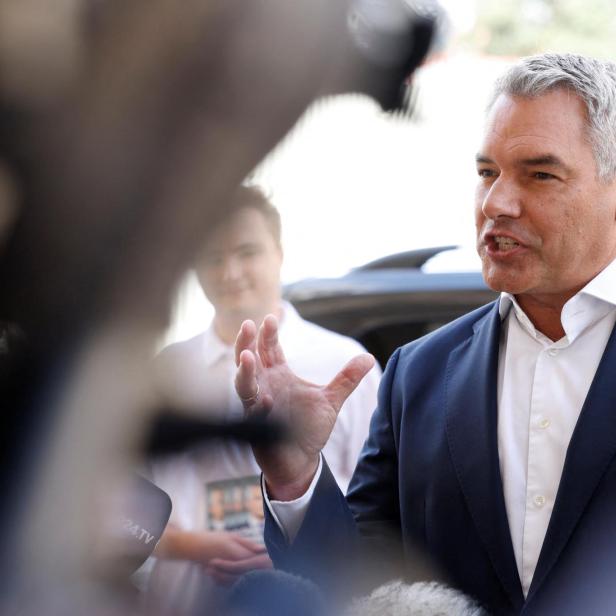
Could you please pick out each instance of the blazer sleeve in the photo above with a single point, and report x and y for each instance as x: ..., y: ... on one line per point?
x: 373, y: 496
x: 360, y: 532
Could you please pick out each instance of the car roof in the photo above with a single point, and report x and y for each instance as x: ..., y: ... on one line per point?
x: 395, y: 298
x: 403, y: 272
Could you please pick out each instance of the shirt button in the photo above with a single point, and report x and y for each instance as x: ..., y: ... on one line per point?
x: 544, y: 423
x: 553, y: 352
x: 539, y: 500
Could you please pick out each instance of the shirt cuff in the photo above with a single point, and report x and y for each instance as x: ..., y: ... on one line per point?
x: 289, y: 515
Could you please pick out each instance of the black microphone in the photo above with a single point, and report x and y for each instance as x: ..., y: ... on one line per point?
x: 274, y: 593
x: 386, y: 40
x: 134, y: 526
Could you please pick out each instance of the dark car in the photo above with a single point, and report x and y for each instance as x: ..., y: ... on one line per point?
x: 388, y: 302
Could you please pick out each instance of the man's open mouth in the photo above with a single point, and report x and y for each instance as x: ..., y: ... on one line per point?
x: 504, y: 244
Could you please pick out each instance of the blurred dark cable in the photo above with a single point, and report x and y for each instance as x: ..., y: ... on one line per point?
x: 170, y: 433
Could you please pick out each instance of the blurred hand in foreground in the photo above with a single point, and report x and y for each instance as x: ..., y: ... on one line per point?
x: 224, y: 555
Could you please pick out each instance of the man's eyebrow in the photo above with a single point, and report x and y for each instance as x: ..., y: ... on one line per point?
x: 222, y: 249
x: 543, y: 159
x: 480, y: 158
x: 534, y: 161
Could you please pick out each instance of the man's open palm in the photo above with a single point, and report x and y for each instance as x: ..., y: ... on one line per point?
x: 266, y: 384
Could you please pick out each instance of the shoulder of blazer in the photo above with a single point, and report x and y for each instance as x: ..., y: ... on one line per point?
x: 420, y: 365
x: 450, y: 335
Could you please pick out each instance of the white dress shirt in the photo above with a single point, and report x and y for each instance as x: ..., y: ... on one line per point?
x: 542, y: 386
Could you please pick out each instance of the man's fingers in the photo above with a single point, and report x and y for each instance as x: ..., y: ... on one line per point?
x: 246, y: 339
x: 253, y: 546
x: 238, y: 567
x: 343, y: 384
x: 268, y: 347
x: 246, y: 383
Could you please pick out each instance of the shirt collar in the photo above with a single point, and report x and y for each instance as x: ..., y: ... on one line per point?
x: 586, y: 307
x: 214, y: 349
x: 603, y: 285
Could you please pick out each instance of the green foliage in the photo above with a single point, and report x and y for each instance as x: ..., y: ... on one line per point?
x: 523, y: 27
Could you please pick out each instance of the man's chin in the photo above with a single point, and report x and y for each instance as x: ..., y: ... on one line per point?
x: 504, y: 283
x: 242, y: 312
x: 234, y: 302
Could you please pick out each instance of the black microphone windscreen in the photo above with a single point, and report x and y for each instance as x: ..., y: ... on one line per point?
x: 274, y: 593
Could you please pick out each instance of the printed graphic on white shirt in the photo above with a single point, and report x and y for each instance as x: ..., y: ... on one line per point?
x: 236, y: 505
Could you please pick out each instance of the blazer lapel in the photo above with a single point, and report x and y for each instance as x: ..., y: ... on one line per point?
x: 471, y: 398
x: 592, y: 448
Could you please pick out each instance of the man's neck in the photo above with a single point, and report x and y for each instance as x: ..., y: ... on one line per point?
x: 544, y: 314
x: 228, y: 326
x: 545, y: 310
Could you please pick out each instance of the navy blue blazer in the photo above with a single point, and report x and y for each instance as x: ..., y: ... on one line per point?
x: 429, y: 478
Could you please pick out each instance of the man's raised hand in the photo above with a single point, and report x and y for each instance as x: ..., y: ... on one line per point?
x: 266, y: 384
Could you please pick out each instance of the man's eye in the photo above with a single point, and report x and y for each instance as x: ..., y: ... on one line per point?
x: 247, y: 253
x: 212, y: 260
x: 542, y: 175
x: 486, y: 173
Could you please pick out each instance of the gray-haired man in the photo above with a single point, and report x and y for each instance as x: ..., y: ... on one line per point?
x: 493, y: 447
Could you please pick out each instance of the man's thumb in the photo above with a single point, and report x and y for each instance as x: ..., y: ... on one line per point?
x: 345, y: 382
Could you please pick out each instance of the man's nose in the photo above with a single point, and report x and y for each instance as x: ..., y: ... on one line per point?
x: 502, y: 199
x: 231, y: 268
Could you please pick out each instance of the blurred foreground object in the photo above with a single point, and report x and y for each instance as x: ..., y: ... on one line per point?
x: 125, y: 126
x: 275, y: 593
x: 418, y: 599
x: 134, y: 527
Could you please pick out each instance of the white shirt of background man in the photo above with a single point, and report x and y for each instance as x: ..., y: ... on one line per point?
x: 199, y: 374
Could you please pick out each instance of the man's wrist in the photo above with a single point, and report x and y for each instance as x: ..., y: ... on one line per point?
x: 289, y: 491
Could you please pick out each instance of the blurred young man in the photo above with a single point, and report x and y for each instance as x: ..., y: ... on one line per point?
x: 239, y: 271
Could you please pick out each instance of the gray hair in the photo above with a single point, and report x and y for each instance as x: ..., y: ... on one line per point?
x: 594, y: 81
